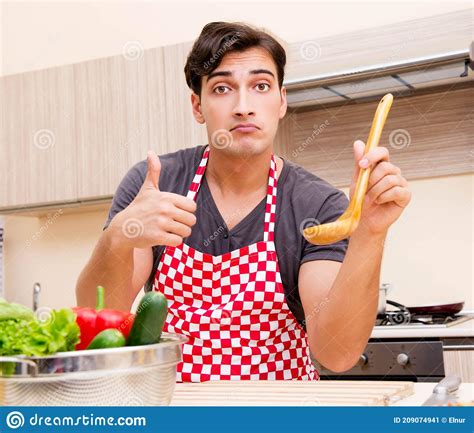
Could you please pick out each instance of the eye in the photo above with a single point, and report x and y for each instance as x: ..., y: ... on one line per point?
x: 264, y: 89
x: 220, y: 90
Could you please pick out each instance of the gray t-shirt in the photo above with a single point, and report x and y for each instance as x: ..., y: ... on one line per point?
x: 301, y: 196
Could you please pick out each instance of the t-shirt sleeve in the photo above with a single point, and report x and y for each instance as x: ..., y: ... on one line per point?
x: 127, y: 190
x: 333, y: 207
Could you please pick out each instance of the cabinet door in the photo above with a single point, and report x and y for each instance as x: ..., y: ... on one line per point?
x: 120, y: 115
x: 184, y: 130
x: 459, y: 362
x: 38, y: 155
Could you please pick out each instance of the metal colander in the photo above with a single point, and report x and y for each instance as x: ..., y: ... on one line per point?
x: 124, y: 376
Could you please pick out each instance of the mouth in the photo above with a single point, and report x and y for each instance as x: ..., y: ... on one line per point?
x: 245, y: 127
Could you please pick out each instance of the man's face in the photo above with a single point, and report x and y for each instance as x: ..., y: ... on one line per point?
x: 243, y: 89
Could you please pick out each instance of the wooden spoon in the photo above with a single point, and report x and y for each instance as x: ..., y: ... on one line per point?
x: 343, y: 227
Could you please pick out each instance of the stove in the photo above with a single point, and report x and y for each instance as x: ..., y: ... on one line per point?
x: 410, y: 321
x: 418, y: 359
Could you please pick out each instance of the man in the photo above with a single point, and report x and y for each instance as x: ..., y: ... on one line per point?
x: 218, y: 230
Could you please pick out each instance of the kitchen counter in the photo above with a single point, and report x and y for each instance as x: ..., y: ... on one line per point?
x: 301, y: 393
x: 463, y: 329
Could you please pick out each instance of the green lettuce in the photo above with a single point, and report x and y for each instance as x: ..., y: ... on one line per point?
x: 24, y: 334
x: 14, y: 311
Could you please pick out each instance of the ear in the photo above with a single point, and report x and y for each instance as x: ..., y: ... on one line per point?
x: 283, y: 104
x: 196, y: 104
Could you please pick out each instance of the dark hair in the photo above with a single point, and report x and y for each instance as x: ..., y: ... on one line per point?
x: 219, y: 38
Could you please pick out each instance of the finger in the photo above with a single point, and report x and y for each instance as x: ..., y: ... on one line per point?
x: 153, y: 171
x: 172, y: 239
x: 382, y: 169
x: 177, y: 228
x: 182, y: 202
x: 374, y: 156
x: 399, y: 195
x: 184, y: 217
x: 387, y: 182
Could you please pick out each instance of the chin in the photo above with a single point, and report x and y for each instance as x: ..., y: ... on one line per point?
x: 247, y: 146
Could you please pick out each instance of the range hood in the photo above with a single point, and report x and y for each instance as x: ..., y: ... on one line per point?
x: 376, y: 80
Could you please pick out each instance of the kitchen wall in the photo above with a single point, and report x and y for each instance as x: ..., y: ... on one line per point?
x: 428, y: 254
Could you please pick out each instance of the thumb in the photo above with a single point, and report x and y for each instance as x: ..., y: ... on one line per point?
x: 359, y: 147
x: 153, y: 171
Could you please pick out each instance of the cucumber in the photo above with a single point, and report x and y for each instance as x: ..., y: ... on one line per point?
x: 107, y: 339
x: 149, y: 320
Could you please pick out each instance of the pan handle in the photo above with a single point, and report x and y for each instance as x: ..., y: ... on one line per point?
x: 17, y: 360
x: 448, y: 385
x: 396, y: 304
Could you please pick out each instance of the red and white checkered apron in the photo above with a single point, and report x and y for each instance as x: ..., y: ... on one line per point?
x: 232, y: 308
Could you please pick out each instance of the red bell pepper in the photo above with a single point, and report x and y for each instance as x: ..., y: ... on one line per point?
x: 85, y: 318
x: 92, y: 321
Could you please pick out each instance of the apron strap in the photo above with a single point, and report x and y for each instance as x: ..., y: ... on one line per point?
x: 196, y: 183
x: 270, y: 208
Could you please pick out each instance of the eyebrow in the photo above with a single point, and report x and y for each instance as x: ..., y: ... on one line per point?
x: 229, y: 73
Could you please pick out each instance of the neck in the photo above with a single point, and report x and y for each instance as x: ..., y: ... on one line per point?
x: 236, y: 176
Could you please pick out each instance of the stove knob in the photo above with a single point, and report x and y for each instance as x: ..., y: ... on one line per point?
x: 403, y: 359
x: 363, y: 360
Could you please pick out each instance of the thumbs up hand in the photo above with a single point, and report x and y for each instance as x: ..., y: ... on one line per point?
x: 154, y: 217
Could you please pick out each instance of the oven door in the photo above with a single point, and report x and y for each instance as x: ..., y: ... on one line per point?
x: 413, y: 360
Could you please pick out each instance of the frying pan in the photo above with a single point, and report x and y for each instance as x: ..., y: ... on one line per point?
x: 442, y: 309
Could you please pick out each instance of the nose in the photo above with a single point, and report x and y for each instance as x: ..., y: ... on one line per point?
x: 243, y: 106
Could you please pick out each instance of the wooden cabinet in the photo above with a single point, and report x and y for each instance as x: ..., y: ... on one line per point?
x: 184, y: 131
x: 460, y: 362
x: 37, y: 138
x: 120, y: 114
x: 70, y: 134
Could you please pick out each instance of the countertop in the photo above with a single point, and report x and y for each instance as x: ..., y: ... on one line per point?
x: 302, y: 393
x: 463, y: 329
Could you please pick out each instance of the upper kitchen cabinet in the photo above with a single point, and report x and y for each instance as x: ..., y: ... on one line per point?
x: 120, y: 114
x: 37, y: 138
x: 183, y: 129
